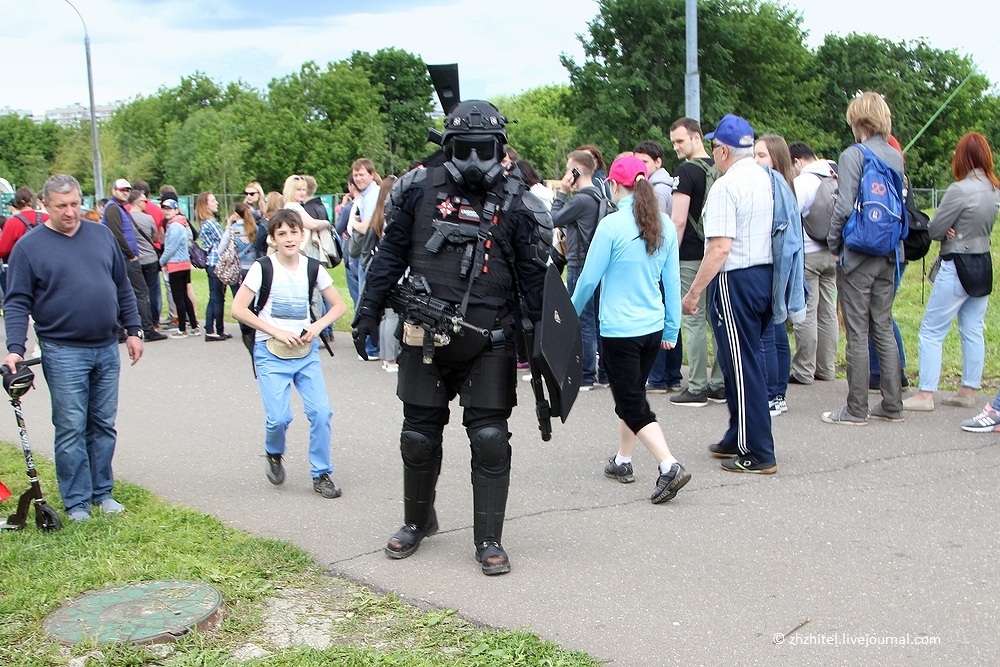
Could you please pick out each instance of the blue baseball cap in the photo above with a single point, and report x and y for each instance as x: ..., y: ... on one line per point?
x: 733, y: 131
x: 169, y: 203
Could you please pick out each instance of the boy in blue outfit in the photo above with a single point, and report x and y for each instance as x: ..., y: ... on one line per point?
x: 286, y: 350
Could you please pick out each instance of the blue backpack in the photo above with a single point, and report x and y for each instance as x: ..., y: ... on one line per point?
x: 877, y: 224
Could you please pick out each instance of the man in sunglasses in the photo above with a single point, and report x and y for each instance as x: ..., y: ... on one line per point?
x: 117, y: 218
x: 473, y: 235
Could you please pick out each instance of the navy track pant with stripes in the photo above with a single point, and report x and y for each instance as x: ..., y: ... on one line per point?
x: 740, y: 310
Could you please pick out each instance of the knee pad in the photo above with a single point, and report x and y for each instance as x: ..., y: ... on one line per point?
x: 489, y: 448
x: 415, y: 447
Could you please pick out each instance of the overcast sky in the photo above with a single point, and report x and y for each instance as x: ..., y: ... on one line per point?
x: 501, y: 46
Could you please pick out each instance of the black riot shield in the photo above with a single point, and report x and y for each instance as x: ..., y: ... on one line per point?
x: 557, y: 349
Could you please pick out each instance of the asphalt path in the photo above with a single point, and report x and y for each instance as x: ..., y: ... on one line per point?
x: 884, y: 536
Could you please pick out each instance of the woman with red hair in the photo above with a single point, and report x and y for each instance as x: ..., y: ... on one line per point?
x: 963, y: 223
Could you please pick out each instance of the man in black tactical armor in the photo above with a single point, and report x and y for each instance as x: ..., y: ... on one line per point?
x: 478, y: 238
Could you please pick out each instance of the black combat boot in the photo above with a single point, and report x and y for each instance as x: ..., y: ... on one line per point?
x: 418, y: 510
x: 489, y: 495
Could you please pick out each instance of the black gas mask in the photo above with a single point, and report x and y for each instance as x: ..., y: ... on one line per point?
x: 474, y: 160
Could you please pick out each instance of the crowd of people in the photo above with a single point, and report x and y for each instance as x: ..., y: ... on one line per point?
x: 751, y: 238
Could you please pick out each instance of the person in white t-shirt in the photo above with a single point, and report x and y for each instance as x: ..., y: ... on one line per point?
x: 286, y: 350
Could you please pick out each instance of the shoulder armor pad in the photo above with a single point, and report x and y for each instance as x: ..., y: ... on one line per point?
x: 534, y: 205
x: 414, y: 177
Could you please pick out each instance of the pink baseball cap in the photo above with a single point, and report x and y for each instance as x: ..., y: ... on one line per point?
x: 626, y: 170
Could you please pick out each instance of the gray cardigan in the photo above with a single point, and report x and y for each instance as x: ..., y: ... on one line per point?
x: 852, y: 161
x: 969, y: 206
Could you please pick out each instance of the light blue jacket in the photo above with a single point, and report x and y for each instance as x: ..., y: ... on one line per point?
x: 631, y: 303
x: 788, y: 297
x: 175, y: 244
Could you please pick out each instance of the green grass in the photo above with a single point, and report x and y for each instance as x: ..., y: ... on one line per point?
x: 155, y: 540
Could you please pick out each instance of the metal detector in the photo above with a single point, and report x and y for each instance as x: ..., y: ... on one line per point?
x: 17, y: 384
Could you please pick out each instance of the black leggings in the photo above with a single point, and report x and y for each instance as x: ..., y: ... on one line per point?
x: 178, y: 288
x: 628, y: 362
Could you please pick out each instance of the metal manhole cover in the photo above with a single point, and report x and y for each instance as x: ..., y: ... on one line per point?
x: 146, y: 612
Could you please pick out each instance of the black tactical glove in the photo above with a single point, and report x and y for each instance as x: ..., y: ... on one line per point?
x: 365, y: 324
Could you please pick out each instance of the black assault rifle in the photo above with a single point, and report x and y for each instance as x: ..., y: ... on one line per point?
x: 439, y: 319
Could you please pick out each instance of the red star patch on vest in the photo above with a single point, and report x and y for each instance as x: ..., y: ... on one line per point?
x: 446, y: 208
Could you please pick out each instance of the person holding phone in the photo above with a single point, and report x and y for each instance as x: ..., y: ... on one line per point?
x: 577, y: 217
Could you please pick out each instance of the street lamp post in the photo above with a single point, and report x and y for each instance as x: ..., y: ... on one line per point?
x: 96, y: 149
x: 692, y: 81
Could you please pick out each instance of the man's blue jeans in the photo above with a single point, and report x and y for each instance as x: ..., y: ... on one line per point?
x: 151, y: 272
x: 351, y: 271
x: 588, y: 328
x: 275, y: 378
x: 83, y: 385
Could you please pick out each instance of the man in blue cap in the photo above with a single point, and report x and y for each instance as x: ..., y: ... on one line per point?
x: 736, y: 270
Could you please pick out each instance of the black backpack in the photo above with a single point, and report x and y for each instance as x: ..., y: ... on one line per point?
x: 266, y: 278
x: 918, y: 240
x: 605, y: 207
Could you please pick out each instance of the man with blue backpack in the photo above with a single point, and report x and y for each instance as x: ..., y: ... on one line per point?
x: 866, y: 235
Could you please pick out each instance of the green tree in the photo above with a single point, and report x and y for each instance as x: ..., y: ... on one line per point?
x: 542, y: 135
x: 915, y: 79
x: 27, y: 150
x: 144, y: 125
x: 333, y: 118
x: 752, y: 59
x: 206, y: 153
x: 401, y: 79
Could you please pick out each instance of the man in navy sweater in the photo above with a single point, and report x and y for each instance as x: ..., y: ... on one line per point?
x: 70, y: 276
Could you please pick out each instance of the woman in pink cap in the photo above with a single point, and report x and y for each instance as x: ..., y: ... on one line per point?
x: 633, y: 251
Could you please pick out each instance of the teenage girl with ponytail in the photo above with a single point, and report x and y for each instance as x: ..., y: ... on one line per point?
x: 632, y: 252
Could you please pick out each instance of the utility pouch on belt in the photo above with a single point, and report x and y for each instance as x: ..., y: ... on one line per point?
x: 414, y: 335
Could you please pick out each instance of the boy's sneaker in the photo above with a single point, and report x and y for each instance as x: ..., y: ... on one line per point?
x: 623, y: 473
x: 746, y: 464
x: 987, y: 421
x: 669, y: 484
x: 275, y: 471
x: 177, y: 333
x: 690, y: 399
x: 195, y: 332
x: 716, y: 395
x: 155, y: 335
x: 777, y: 406
x: 656, y: 388
x: 324, y: 486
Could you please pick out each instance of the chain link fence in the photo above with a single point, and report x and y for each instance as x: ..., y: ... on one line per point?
x: 927, y: 198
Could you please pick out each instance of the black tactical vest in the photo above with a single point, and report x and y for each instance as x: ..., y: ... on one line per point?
x: 443, y: 247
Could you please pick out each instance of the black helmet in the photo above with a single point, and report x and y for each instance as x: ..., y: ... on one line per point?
x: 473, y: 140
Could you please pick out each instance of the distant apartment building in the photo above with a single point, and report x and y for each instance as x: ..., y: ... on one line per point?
x: 76, y: 113
x: 7, y: 111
